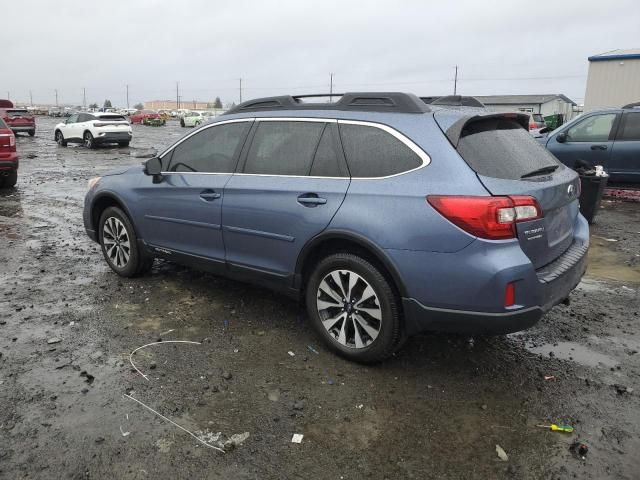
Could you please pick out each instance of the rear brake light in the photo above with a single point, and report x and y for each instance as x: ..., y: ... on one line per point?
x: 12, y: 140
x: 493, y: 218
x: 533, y: 126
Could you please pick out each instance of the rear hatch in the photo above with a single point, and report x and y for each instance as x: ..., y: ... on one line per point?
x: 509, y: 161
x: 19, y: 117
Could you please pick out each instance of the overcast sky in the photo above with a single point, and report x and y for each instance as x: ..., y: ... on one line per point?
x: 291, y: 46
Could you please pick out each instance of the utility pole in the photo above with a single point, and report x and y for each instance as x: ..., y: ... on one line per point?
x: 240, y: 90
x: 331, y: 87
x: 84, y: 98
x: 455, y: 82
x: 127, y: 96
x: 177, y: 96
x: 56, y: 90
x: 31, y: 98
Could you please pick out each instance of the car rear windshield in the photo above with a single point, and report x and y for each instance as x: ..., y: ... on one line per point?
x: 3, y: 125
x: 501, y: 148
x: 111, y: 118
x: 17, y: 113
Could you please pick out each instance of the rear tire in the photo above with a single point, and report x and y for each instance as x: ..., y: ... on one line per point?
x: 9, y: 181
x: 354, y: 308
x: 89, y: 141
x: 123, y: 144
x: 119, y: 244
x: 182, y: 122
x: 60, y: 139
x: 32, y: 132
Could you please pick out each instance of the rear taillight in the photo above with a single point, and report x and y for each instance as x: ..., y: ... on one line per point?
x: 533, y: 126
x: 12, y: 140
x: 493, y: 218
x: 510, y: 295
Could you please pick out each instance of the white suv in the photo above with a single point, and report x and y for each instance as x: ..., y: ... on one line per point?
x: 94, y: 129
x: 195, y: 119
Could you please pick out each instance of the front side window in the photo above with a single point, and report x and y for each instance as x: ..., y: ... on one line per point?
x: 72, y: 119
x: 373, y: 152
x: 283, y: 148
x: 631, y: 127
x: 595, y: 128
x: 211, y: 150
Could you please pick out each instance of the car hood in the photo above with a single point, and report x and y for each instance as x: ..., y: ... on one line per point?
x: 122, y: 170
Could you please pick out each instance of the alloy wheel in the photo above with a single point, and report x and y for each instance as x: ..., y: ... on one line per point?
x: 116, y: 242
x: 349, y: 308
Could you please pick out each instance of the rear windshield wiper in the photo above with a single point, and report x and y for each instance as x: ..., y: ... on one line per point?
x: 541, y: 171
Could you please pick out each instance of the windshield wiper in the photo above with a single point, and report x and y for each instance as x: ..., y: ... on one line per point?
x: 541, y: 171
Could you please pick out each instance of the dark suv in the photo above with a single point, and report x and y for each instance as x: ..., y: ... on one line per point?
x: 388, y: 216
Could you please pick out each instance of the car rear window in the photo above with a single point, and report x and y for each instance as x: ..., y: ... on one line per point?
x: 2, y: 124
x: 17, y: 113
x: 501, y: 148
x: 112, y: 118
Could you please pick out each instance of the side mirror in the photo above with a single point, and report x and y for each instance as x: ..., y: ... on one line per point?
x: 153, y: 166
x: 561, y: 137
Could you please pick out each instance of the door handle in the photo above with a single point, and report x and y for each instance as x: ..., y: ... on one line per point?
x: 209, y: 195
x: 598, y: 147
x: 311, y: 200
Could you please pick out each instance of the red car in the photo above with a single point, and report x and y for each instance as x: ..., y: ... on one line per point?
x: 18, y: 119
x: 143, y: 116
x: 8, y: 156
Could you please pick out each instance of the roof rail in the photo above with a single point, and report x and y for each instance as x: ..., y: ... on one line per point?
x: 396, y: 102
x: 454, y: 101
x: 632, y: 105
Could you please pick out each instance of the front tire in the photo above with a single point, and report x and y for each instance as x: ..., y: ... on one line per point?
x: 354, y: 308
x: 120, y: 244
x: 182, y: 122
x: 60, y: 139
x: 89, y: 142
x: 32, y: 132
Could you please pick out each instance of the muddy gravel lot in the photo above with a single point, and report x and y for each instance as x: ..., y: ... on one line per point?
x: 258, y: 374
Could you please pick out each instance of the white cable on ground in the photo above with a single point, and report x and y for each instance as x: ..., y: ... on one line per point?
x: 174, y: 423
x: 155, y: 343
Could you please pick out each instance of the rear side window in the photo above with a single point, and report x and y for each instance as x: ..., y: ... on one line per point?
x: 373, y: 152
x: 631, y: 127
x: 501, y: 148
x: 283, y: 148
x: 211, y: 150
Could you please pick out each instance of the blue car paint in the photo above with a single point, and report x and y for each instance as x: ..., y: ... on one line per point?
x: 449, y: 279
x: 620, y: 158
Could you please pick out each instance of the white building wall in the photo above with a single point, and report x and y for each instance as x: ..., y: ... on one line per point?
x: 612, y: 83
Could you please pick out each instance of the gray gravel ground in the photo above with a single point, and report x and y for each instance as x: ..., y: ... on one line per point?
x: 435, y: 410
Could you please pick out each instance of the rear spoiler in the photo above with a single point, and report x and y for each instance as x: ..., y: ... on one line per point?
x: 454, y: 132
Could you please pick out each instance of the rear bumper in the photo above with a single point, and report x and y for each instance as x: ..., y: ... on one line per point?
x: 9, y: 163
x: 22, y: 128
x: 466, y: 291
x: 112, y: 137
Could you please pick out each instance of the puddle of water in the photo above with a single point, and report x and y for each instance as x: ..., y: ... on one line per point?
x: 606, y: 263
x: 576, y: 353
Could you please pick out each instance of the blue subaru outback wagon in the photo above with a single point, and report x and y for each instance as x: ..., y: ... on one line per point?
x: 386, y: 215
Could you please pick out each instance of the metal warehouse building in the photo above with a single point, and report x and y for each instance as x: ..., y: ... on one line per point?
x: 549, y: 104
x: 614, y: 79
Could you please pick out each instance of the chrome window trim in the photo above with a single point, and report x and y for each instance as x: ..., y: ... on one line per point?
x: 426, y: 159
